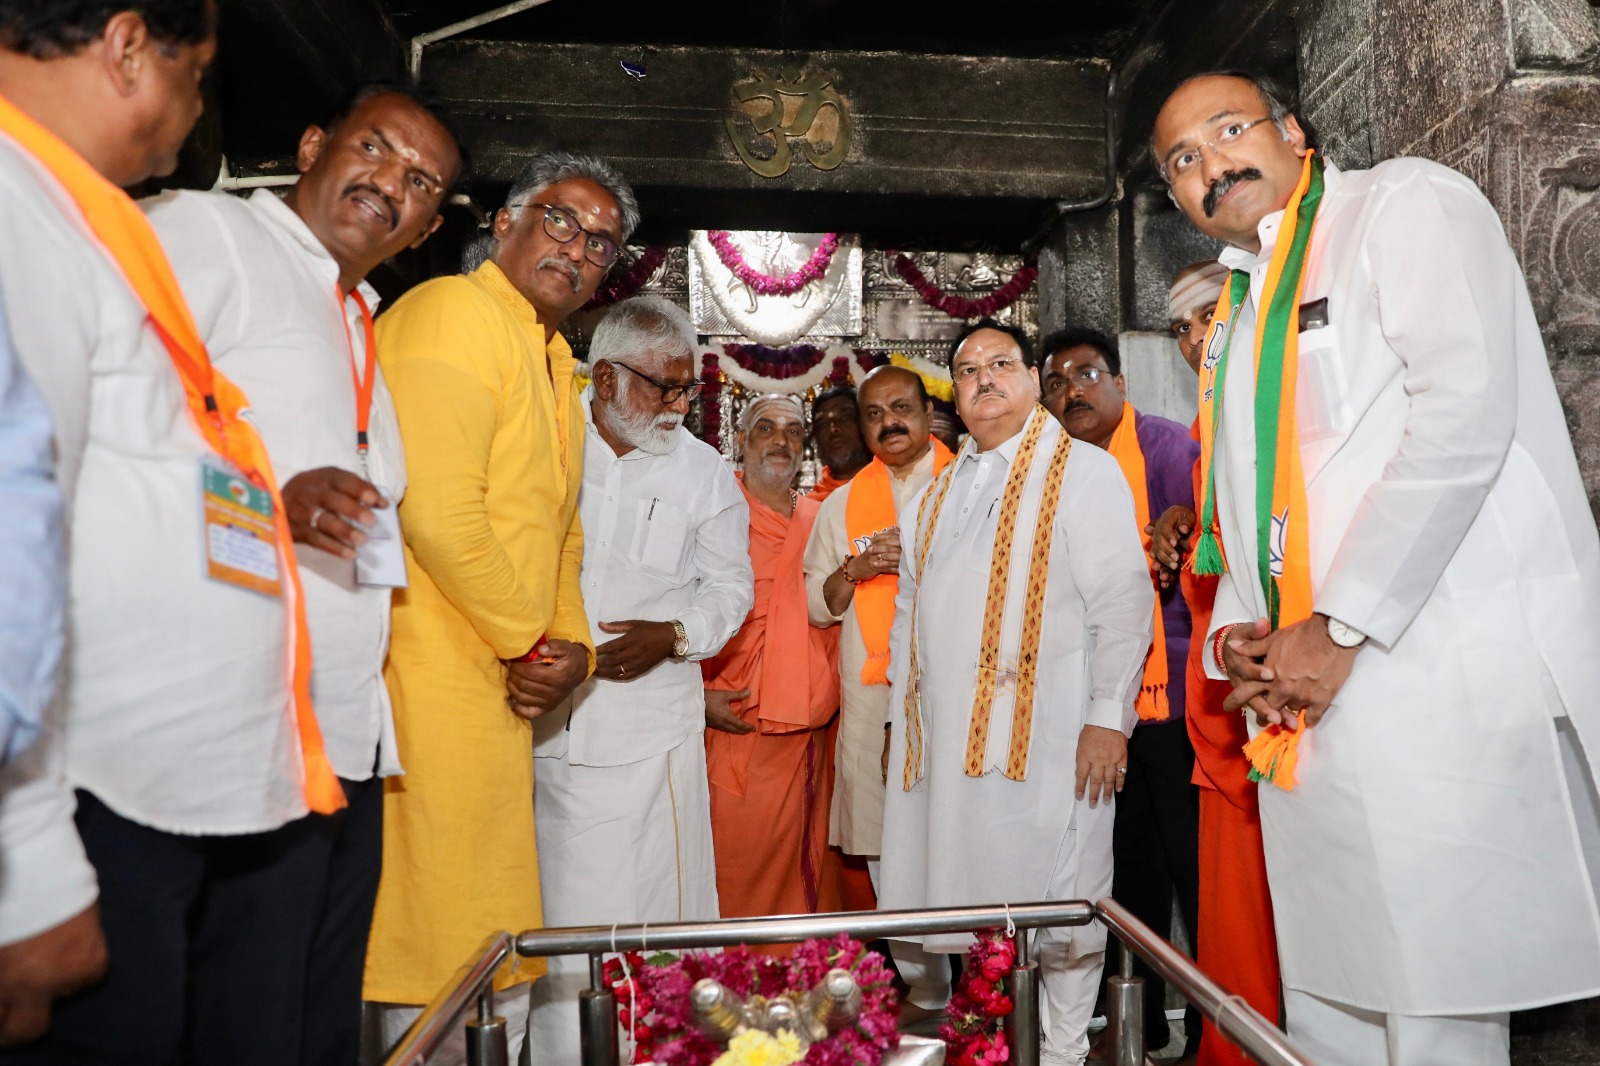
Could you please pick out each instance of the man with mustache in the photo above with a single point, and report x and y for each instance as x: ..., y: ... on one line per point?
x: 184, y: 720
x: 770, y: 696
x: 1234, y: 941
x: 852, y: 568
x: 493, y: 433
x: 1022, y: 619
x: 1157, y: 824
x: 276, y: 287
x: 621, y: 798
x: 1408, y: 599
x: 836, y: 432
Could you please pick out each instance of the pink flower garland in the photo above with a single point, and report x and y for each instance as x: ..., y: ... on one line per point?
x: 629, y: 283
x: 710, y: 409
x: 959, y: 306
x: 655, y: 1006
x: 766, y: 284
x: 975, y: 1034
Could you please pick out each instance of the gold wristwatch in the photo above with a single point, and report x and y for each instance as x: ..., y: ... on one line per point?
x: 680, y: 647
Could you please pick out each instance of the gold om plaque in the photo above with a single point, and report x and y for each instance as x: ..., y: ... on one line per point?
x: 790, y: 106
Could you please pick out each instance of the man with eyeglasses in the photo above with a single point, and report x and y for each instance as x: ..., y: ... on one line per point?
x: 1022, y: 619
x: 1409, y: 594
x: 493, y: 431
x: 1157, y: 825
x: 621, y: 799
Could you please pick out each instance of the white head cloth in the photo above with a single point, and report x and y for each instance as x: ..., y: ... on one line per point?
x: 1203, y: 286
x: 752, y: 410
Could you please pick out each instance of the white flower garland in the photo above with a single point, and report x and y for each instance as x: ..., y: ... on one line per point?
x: 777, y: 322
x: 795, y: 386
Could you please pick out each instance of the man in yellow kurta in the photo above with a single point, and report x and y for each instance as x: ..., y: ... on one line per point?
x: 483, y: 385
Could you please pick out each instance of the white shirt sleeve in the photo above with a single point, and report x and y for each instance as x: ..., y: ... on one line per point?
x: 1227, y: 610
x: 1448, y: 287
x: 1113, y: 577
x: 722, y: 560
x: 45, y: 878
x: 823, y: 556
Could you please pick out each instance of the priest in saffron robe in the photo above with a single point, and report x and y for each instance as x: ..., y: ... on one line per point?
x: 1021, y: 624
x: 1158, y: 814
x: 771, y: 698
x: 1234, y: 940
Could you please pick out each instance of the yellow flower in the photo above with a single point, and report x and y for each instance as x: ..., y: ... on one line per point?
x: 756, y: 1048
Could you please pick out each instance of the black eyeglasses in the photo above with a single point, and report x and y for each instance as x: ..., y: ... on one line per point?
x: 671, y: 391
x: 562, y: 226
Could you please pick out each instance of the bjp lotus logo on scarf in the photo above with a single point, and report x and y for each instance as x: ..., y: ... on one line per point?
x: 1280, y: 541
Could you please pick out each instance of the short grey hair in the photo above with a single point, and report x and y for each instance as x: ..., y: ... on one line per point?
x: 548, y: 168
x: 643, y: 324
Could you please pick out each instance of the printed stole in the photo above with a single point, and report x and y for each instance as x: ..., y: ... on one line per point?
x: 869, y: 510
x: 1283, y: 554
x: 1125, y: 449
x: 994, y: 611
x: 214, y: 401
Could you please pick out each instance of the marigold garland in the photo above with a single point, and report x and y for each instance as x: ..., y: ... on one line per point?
x: 765, y: 284
x: 628, y: 283
x: 975, y: 1033
x: 960, y: 306
x: 653, y: 1001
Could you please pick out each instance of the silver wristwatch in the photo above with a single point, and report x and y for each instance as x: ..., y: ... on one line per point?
x: 680, y: 647
x: 1345, y: 636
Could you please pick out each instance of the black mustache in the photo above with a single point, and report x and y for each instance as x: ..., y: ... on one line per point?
x: 893, y: 431
x: 1223, y: 185
x: 394, y: 214
x: 1077, y: 405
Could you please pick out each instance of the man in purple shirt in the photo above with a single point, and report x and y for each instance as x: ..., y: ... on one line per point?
x: 1156, y: 834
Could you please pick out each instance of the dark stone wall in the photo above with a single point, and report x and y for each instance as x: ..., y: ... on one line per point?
x: 1508, y: 92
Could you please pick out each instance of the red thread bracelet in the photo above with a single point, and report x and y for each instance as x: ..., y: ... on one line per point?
x: 1216, y: 647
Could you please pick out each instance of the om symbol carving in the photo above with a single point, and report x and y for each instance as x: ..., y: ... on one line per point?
x: 791, y: 106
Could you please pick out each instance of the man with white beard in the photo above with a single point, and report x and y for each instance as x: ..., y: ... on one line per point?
x: 621, y: 802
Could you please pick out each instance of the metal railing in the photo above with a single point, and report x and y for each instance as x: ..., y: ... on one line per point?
x: 486, y: 1040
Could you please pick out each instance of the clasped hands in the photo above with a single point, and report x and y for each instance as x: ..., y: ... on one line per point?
x: 1278, y: 674
x: 537, y: 686
x: 881, y: 557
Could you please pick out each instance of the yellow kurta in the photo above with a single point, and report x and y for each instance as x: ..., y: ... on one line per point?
x: 494, y: 448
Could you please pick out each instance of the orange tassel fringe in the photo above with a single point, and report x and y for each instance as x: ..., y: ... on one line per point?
x: 1274, y: 752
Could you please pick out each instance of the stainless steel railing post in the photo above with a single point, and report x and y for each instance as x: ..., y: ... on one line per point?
x: 1022, y: 1024
x: 1125, y: 1012
x: 597, y: 1018
x: 486, y: 1035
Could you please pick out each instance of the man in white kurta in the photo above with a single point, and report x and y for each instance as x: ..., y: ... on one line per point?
x: 621, y: 800
x: 895, y: 412
x: 950, y: 838
x: 1456, y: 588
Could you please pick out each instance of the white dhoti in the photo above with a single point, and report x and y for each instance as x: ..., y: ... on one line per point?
x: 617, y: 844
x: 1331, y: 1034
x: 950, y: 839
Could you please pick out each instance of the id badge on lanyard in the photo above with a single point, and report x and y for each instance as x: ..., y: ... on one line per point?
x: 380, y: 560
x: 239, y: 535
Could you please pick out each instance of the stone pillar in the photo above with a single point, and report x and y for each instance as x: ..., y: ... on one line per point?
x: 1508, y: 92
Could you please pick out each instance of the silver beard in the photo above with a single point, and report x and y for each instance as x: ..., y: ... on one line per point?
x: 642, y: 430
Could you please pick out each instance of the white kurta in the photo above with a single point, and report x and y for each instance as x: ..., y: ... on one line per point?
x: 1428, y: 861
x: 955, y: 840
x: 855, y: 820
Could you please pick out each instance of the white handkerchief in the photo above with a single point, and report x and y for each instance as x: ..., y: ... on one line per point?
x: 381, y: 562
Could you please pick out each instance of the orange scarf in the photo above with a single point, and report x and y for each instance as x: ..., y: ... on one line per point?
x: 1125, y: 449
x: 213, y: 400
x: 869, y: 510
